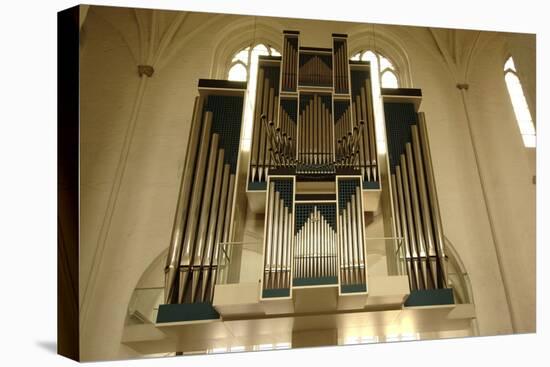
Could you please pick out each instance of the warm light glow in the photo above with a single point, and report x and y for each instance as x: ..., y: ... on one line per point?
x: 239, y: 72
x: 402, y: 337
x: 376, y: 101
x: 383, y: 74
x: 242, y: 56
x: 519, y: 103
x: 392, y: 338
x: 369, y: 56
x: 389, y: 80
x: 509, y: 65
x: 260, y: 49
x: 410, y: 336
x: 264, y: 347
x: 282, y: 345
x: 217, y: 350
x: 350, y: 340
x: 385, y: 64
x: 384, y: 67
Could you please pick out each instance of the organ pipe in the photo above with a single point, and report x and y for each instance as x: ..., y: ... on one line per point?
x: 182, y: 207
x: 313, y: 120
x: 416, y: 209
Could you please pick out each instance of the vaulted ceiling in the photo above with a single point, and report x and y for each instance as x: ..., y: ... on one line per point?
x: 456, y: 46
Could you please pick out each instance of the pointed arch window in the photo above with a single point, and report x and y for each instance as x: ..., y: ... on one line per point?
x: 242, y: 62
x: 244, y: 67
x: 386, y: 71
x: 519, y: 103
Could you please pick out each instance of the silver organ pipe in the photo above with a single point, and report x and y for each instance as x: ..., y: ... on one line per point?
x: 203, y: 213
x: 278, y: 240
x: 196, y: 257
x: 434, y: 207
x: 360, y: 234
x: 351, y: 233
x: 180, y: 218
x: 257, y: 127
x: 191, y: 229
x: 313, y: 120
x: 315, y: 244
x: 421, y: 245
x: 410, y: 225
x: 220, y: 222
x: 206, y: 256
x: 425, y: 213
x: 416, y: 207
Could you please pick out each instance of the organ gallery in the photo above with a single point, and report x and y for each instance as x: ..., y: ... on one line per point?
x: 252, y: 183
x: 312, y: 165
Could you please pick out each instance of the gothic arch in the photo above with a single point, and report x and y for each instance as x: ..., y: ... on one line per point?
x: 383, y: 41
x: 479, y: 47
x: 236, y: 36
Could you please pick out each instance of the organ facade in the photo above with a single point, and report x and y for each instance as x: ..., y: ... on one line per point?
x: 321, y: 160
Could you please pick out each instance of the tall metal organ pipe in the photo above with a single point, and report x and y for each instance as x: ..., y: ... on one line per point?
x: 180, y: 219
x: 190, y: 230
x: 432, y: 193
x: 200, y: 244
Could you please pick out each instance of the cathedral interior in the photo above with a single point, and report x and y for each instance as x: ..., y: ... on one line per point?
x: 255, y: 183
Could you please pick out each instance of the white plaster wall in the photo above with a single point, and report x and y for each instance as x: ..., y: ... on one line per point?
x: 140, y: 226
x: 463, y: 213
x: 107, y: 93
x: 142, y: 215
x: 507, y: 168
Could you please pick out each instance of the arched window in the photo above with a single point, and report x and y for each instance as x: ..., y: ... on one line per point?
x: 521, y: 110
x: 241, y: 64
x: 238, y: 72
x: 386, y: 71
x: 244, y: 67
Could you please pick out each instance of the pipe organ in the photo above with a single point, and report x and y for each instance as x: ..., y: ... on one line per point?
x: 315, y: 246
x: 415, y: 204
x: 313, y: 124
x: 351, y: 234
x: 278, y: 236
x: 290, y: 61
x: 315, y: 154
x: 311, y: 171
x: 206, y: 197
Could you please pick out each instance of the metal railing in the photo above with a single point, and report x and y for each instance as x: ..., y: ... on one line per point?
x: 239, y: 262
